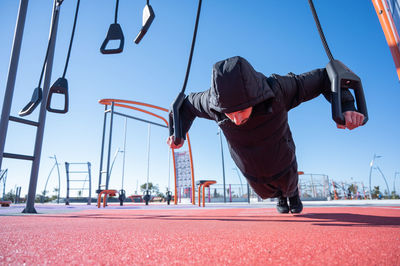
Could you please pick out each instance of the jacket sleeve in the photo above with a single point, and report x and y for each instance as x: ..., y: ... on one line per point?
x: 304, y: 87
x: 195, y: 105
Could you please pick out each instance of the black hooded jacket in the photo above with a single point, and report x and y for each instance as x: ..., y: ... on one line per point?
x: 263, y: 146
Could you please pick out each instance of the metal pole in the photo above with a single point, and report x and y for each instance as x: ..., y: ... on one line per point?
x: 384, y: 178
x: 109, y: 145
x: 370, y: 173
x: 59, y: 180
x: 67, y: 173
x: 223, y: 165
x: 248, y: 193
x: 42, y: 118
x: 148, y: 156
x: 48, y: 177
x: 394, y: 182
x: 123, y: 158
x: 102, y: 148
x: 12, y: 73
x: 90, y: 183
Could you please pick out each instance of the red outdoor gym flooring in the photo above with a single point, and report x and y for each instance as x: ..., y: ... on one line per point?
x: 246, y: 236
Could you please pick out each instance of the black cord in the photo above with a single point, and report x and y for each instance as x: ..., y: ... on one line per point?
x: 147, y: 2
x: 192, y: 48
x: 116, y: 12
x: 72, y: 38
x: 55, y: 12
x: 321, y: 33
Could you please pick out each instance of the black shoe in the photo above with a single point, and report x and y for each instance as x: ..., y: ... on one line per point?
x: 282, y: 205
x: 295, y: 204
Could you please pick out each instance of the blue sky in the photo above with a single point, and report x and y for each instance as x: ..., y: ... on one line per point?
x: 274, y: 36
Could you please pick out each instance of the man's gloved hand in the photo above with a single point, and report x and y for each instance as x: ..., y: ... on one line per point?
x: 171, y: 144
x: 353, y: 120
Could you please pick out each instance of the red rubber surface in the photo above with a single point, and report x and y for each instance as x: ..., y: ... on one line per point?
x: 319, y: 236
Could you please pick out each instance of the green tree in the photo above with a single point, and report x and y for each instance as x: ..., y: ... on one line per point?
x: 153, y: 188
x: 10, y: 196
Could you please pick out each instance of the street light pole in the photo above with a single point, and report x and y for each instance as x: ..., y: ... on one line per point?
x: 223, y: 165
x: 370, y: 172
x: 394, y: 182
x: 384, y: 178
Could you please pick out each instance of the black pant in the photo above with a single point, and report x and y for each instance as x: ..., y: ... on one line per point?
x: 283, y: 184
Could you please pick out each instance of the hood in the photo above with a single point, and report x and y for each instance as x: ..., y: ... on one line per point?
x: 236, y: 86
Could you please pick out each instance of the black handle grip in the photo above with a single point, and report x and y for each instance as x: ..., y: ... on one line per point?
x: 59, y: 87
x: 148, y: 17
x: 33, y: 103
x: 174, y: 125
x: 342, y: 77
x: 114, y: 33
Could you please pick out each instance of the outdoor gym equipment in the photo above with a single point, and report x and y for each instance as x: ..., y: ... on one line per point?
x: 133, y: 106
x: 147, y: 19
x: 121, y: 197
x: 147, y: 196
x: 175, y: 127
x: 37, y: 94
x: 341, y: 77
x: 114, y: 34
x: 202, y: 184
x: 108, y: 192
x: 61, y: 84
x: 87, y: 179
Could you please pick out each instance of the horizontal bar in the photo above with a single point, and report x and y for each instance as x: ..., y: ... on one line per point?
x: 78, y: 172
x: 76, y: 180
x: 78, y: 188
x: 24, y: 121
x: 18, y: 156
x: 76, y: 163
x: 140, y: 119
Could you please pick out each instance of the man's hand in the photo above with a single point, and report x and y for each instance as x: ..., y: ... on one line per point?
x: 353, y: 120
x: 172, y: 145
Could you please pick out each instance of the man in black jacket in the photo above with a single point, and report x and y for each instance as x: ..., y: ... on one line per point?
x: 251, y: 109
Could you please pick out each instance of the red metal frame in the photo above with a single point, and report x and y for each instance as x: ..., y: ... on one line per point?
x: 124, y: 103
x: 389, y: 29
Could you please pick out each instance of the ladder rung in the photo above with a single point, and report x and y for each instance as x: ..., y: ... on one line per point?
x: 24, y: 121
x: 18, y: 156
x: 78, y: 172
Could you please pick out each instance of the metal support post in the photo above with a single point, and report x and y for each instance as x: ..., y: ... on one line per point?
x: 90, y: 183
x: 223, y: 164
x: 102, y: 148
x: 67, y: 174
x: 42, y: 119
x: 109, y: 145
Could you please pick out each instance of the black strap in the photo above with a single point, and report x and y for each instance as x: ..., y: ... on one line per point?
x: 116, y: 12
x: 192, y: 47
x: 72, y: 38
x: 56, y: 12
x: 321, y: 33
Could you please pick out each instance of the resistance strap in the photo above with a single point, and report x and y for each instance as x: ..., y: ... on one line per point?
x: 174, y: 125
x: 61, y: 85
x: 114, y: 34
x: 341, y: 77
x: 37, y: 92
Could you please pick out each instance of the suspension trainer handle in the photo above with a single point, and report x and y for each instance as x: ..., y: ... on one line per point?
x: 59, y: 87
x: 175, y: 125
x: 342, y: 77
x: 114, y: 34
